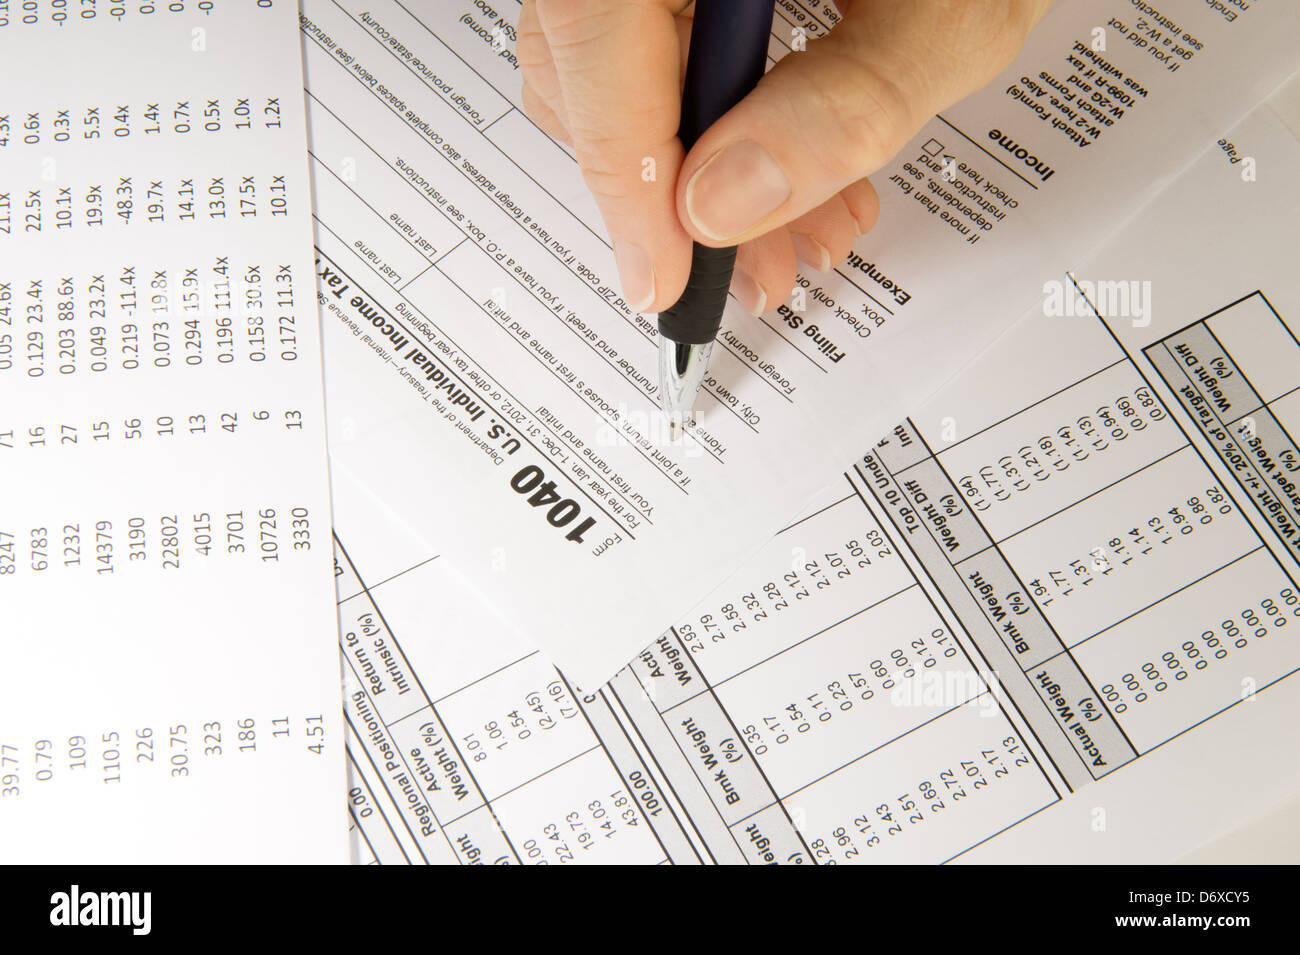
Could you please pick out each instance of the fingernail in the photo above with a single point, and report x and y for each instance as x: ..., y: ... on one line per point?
x: 735, y: 189
x: 748, y: 293
x: 636, y: 274
x: 811, y: 251
x: 858, y: 230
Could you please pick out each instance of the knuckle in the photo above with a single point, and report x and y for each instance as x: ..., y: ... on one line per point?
x: 571, y: 25
x: 532, y: 52
x: 606, y: 179
x: 864, y: 113
x: 534, y: 108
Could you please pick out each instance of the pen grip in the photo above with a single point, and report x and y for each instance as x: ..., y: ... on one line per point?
x: 694, y: 319
x: 727, y: 58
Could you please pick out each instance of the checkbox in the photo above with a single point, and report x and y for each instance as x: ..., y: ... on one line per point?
x: 933, y: 147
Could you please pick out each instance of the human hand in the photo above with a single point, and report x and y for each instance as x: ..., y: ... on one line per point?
x: 783, y: 174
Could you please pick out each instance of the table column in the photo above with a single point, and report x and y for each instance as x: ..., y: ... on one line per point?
x: 827, y: 704
x: 917, y: 489
x: 1085, y: 540
x: 1237, y: 375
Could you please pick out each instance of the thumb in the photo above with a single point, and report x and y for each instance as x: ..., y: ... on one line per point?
x: 826, y: 117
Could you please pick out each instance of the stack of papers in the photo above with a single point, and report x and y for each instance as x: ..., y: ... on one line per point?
x: 1003, y: 508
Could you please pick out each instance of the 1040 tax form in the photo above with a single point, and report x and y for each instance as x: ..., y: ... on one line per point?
x: 1051, y: 616
x: 507, y: 394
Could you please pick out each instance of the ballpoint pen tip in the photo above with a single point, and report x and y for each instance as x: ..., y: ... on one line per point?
x: 681, y: 371
x: 679, y: 423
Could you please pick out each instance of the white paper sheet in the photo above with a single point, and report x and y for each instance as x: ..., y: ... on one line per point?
x: 856, y: 693
x: 511, y: 394
x: 170, y: 671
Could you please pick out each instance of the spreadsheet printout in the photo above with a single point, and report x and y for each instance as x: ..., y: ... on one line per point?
x: 458, y: 249
x: 1052, y: 617
x: 169, y: 647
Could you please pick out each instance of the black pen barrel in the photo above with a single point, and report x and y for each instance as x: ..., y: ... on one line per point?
x: 728, y: 56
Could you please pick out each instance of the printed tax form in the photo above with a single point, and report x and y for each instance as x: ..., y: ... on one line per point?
x: 168, y: 647
x: 509, y: 395
x: 1052, y: 616
x: 1086, y: 652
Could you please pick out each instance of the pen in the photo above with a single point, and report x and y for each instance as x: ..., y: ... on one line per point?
x: 727, y: 58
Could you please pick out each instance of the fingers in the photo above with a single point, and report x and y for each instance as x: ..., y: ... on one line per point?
x: 764, y: 273
x: 546, y: 119
x: 783, y: 174
x: 863, y: 204
x: 617, y: 87
x: 819, y: 240
x: 825, y: 118
x: 541, y: 81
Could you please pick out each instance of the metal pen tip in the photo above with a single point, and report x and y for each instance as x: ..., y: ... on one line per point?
x: 681, y: 373
x: 679, y: 425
